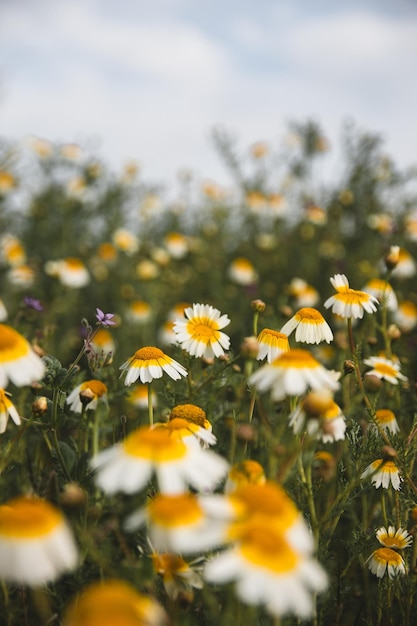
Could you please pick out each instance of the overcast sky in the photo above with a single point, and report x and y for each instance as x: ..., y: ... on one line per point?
x: 149, y: 79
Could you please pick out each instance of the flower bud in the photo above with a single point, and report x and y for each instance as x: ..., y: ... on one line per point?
x: 258, y: 306
x: 249, y: 348
x: 40, y: 406
x: 391, y: 259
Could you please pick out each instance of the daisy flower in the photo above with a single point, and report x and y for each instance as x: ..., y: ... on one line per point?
x: 310, y: 325
x: 36, y: 545
x: 348, y: 302
x: 406, y: 266
x: 148, y: 363
x: 18, y: 362
x: 267, y: 570
x: 21, y: 276
x: 176, y: 244
x: 200, y: 332
x: 138, y: 396
x: 242, y: 272
x: 292, y: 374
x: 387, y: 420
x: 87, y: 394
x: 271, y: 344
x: 197, y: 419
x: 12, y: 250
x: 304, y: 294
x: 189, y: 432
x: 385, y: 559
x: 396, y: 539
x: 406, y: 316
x: 71, y: 272
x: 139, y: 312
x: 383, y: 473
x: 128, y: 466
x: 125, y: 241
x: 320, y: 416
x: 103, y: 342
x: 383, y: 291
x: 178, y: 523
x: 385, y: 369
x: 7, y: 409
x: 114, y: 602
x: 178, y: 576
x: 247, y: 472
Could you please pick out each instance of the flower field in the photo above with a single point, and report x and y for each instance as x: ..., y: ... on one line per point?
x: 208, y: 409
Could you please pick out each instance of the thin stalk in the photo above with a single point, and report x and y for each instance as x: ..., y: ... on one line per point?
x: 150, y: 405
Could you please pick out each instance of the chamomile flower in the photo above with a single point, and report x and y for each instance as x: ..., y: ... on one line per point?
x: 22, y: 276
x: 387, y: 420
x: 395, y: 539
x: 320, y: 416
x: 177, y: 245
x: 72, y: 272
x: 125, y: 241
x: 242, y: 272
x: 383, y: 473
x: 385, y: 560
x: 383, y: 291
x: 139, y: 312
x: 128, y: 466
x: 196, y: 417
x: 138, y: 396
x: 103, y: 342
x: 7, y: 409
x: 267, y: 570
x: 114, y: 603
x: 310, y: 326
x: 87, y: 394
x: 189, y: 432
x: 148, y: 363
x: 178, y: 576
x: 406, y: 316
x: 36, y: 544
x: 385, y: 369
x: 18, y: 362
x: 271, y: 344
x: 292, y: 374
x: 349, y: 302
x: 178, y: 523
x: 199, y: 333
x: 406, y: 266
x: 305, y: 295
x: 246, y: 472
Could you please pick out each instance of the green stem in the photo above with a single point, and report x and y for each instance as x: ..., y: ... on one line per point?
x: 150, y: 405
x: 54, y: 422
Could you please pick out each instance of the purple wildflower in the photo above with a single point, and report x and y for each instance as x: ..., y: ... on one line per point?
x: 33, y: 303
x: 105, y: 319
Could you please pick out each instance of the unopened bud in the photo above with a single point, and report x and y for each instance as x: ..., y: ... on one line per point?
x: 316, y: 403
x: 392, y: 258
x: 249, y: 348
x: 388, y: 452
x: 393, y: 331
x: 372, y: 383
x: 258, y: 306
x: 86, y: 396
x: 246, y: 432
x: 73, y: 495
x: 348, y: 366
x: 40, y: 406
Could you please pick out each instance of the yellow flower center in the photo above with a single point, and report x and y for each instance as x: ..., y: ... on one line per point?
x: 168, y: 564
x: 175, y: 510
x: 12, y: 345
x: 266, y: 548
x: 189, y: 412
x: 148, y: 353
x: 96, y: 386
x: 309, y: 315
x: 156, y: 445
x: 203, y: 329
x: 247, y: 471
x: 386, y: 555
x: 296, y: 358
x: 266, y: 335
x: 73, y: 263
x: 267, y: 499
x: 385, y: 416
x: 351, y: 296
x: 111, y: 603
x: 385, y: 369
x: 27, y: 518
